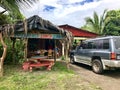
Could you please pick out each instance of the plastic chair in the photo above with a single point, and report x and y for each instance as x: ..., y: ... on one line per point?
x: 50, y: 53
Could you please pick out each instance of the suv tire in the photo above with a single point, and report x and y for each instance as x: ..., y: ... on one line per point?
x: 97, y: 66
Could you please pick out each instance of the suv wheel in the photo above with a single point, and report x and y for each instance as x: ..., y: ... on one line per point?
x: 97, y: 66
x: 72, y: 60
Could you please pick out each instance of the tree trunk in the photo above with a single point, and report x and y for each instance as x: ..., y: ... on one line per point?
x: 54, y: 51
x: 3, y: 55
x: 13, y: 51
x: 68, y: 64
x: 66, y: 53
x: 63, y: 49
x: 25, y: 48
x: 25, y: 41
x: 1, y: 68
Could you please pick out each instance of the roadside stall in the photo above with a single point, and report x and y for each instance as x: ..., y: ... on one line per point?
x: 41, y: 38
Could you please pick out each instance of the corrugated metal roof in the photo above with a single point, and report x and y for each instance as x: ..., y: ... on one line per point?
x: 78, y: 32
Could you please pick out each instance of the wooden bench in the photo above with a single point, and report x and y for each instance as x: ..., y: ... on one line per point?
x: 29, y: 65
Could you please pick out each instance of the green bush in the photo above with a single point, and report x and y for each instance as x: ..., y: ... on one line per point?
x: 62, y: 57
x: 14, y: 56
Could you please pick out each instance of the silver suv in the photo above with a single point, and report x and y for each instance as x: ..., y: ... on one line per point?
x: 101, y: 53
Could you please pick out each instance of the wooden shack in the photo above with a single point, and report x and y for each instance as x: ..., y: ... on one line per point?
x: 38, y: 34
x: 41, y: 35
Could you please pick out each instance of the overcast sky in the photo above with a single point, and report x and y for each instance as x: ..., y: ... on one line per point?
x: 70, y: 12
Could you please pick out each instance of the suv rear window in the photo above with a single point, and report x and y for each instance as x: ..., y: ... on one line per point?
x: 117, y: 43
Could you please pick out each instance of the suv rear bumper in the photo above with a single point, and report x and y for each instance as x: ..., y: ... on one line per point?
x: 111, y: 63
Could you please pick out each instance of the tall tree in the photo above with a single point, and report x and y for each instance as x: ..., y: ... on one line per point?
x: 96, y: 24
x: 112, y: 26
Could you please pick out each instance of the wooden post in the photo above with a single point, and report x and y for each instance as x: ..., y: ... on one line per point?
x: 54, y: 50
x: 25, y: 41
x: 13, y: 50
x: 3, y: 55
x: 25, y: 48
x: 66, y: 53
x: 63, y: 48
x: 68, y: 47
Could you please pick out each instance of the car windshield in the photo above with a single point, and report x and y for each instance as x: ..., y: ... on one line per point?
x: 117, y: 43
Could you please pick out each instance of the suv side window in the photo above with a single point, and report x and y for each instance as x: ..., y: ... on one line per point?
x: 99, y: 44
x: 117, y: 43
x: 106, y: 44
x: 89, y: 45
x: 96, y: 44
x: 84, y: 45
x: 102, y: 44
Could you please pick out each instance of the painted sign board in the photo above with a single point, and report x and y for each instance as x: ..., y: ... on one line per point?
x: 42, y: 36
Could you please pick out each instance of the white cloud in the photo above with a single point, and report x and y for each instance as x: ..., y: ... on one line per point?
x: 1, y: 9
x: 111, y: 4
x: 67, y: 13
x: 72, y: 1
x: 72, y: 9
x: 50, y: 3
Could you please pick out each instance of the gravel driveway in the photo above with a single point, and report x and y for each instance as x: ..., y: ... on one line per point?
x: 109, y: 80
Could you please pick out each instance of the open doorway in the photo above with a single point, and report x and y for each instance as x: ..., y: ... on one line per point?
x: 42, y: 47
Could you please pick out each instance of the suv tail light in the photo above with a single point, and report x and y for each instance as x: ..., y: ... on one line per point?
x: 113, y: 56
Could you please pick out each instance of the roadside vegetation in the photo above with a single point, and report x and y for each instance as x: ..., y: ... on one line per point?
x: 59, y: 78
x: 106, y: 24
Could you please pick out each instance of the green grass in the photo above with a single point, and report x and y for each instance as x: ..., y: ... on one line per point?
x: 59, y: 78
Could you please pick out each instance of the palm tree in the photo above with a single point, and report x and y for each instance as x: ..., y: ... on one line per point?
x: 12, y: 6
x: 97, y: 24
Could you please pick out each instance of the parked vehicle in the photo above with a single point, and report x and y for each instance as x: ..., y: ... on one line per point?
x: 101, y: 53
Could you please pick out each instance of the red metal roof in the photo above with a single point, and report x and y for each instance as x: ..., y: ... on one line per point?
x: 78, y: 32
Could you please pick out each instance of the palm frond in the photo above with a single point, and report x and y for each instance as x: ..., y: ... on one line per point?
x: 26, y: 3
x: 89, y: 20
x: 102, y: 21
x: 96, y: 18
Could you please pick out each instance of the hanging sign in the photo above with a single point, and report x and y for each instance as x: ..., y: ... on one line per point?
x: 43, y: 36
x: 48, y: 36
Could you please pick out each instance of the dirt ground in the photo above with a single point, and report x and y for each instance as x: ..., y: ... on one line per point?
x: 109, y: 80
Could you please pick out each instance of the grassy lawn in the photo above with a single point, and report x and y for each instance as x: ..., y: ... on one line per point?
x: 59, y: 78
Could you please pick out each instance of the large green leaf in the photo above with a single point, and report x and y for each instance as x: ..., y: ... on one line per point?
x: 97, y: 23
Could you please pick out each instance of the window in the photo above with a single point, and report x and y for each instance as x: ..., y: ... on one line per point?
x: 117, y: 43
x: 89, y: 45
x: 96, y: 44
x: 106, y: 44
x: 84, y: 45
x: 99, y: 44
